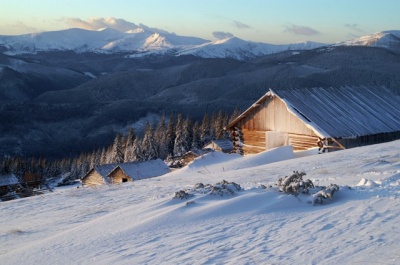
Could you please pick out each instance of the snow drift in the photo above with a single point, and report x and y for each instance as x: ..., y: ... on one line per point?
x: 140, y: 222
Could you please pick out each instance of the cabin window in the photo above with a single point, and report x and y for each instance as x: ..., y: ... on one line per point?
x: 124, y: 180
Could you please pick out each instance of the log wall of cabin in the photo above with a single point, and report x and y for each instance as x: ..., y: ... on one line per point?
x: 118, y: 175
x: 94, y: 178
x: 273, y: 115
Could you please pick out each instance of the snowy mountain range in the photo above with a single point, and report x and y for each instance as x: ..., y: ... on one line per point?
x: 142, y: 41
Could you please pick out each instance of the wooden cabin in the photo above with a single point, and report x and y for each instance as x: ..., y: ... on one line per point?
x: 97, y: 175
x: 328, y: 118
x: 32, y: 180
x: 222, y: 145
x: 8, y: 182
x: 114, y: 173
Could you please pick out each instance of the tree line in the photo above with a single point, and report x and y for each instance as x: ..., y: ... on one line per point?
x: 170, y: 138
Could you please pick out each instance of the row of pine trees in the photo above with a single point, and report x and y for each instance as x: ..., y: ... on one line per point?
x: 171, y: 137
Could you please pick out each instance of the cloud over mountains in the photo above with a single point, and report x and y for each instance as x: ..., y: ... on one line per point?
x: 222, y: 35
x: 301, y: 30
x: 110, y: 22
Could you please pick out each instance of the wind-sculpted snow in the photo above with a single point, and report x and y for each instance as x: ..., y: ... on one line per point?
x: 140, y: 222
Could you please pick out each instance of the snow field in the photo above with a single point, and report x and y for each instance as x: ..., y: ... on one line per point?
x: 140, y: 223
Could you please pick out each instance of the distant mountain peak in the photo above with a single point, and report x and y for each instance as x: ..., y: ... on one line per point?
x: 385, y: 39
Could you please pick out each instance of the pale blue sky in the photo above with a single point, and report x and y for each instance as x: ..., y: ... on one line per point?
x: 271, y: 21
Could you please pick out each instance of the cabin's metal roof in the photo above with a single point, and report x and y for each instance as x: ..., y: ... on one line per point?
x: 346, y: 111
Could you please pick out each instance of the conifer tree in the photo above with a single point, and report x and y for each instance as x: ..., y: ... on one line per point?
x: 103, y: 156
x: 18, y: 167
x: 205, y: 136
x: 234, y: 115
x: 213, y: 126
x: 170, y: 137
x: 130, y: 138
x: 219, y: 125
x: 6, y: 166
x: 196, y: 143
x: 187, y: 134
x: 149, y: 145
x: 117, y: 154
x: 137, y: 153
x: 160, y: 136
x: 179, y: 144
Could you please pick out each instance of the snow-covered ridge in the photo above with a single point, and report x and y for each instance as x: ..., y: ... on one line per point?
x: 384, y: 39
x: 104, y: 40
x: 142, y: 40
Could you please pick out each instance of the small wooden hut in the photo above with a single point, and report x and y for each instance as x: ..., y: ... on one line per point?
x: 8, y: 182
x: 32, y: 180
x: 222, y: 145
x: 329, y: 118
x: 114, y: 173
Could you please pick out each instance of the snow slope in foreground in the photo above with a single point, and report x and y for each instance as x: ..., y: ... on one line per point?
x: 140, y: 223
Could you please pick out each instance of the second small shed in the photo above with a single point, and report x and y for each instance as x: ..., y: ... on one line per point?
x: 119, y: 173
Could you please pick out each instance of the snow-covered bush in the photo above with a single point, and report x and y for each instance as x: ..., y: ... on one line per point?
x: 325, y: 193
x: 182, y: 195
x: 225, y: 188
x: 294, y: 184
x: 221, y: 188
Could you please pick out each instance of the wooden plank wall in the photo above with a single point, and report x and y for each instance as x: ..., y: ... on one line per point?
x: 302, y: 142
x: 117, y: 175
x: 93, y: 179
x: 254, y: 141
x: 273, y: 115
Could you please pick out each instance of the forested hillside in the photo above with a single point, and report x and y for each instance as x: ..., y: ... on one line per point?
x: 63, y: 103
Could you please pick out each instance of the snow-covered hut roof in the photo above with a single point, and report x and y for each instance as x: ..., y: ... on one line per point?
x: 146, y: 169
x: 224, y: 144
x: 9, y: 179
x: 104, y: 170
x: 344, y: 112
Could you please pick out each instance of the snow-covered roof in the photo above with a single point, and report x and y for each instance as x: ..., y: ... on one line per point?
x: 104, y: 170
x: 224, y: 144
x: 9, y: 179
x: 348, y: 111
x: 343, y: 112
x: 146, y: 169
